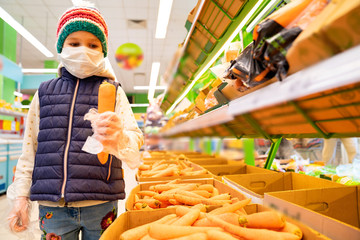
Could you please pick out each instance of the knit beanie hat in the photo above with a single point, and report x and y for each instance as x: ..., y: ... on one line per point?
x: 82, y: 18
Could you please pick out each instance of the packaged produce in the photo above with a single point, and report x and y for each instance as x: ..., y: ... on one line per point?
x: 333, y: 31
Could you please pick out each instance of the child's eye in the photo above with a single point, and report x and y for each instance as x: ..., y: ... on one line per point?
x: 93, y: 46
x: 74, y: 44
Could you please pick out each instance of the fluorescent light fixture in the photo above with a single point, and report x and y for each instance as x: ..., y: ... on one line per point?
x: 222, y: 49
x: 25, y: 33
x: 148, y: 87
x: 39, y: 70
x: 18, y: 94
x: 139, y: 105
x: 163, y: 18
x: 155, y: 67
x: 268, y: 7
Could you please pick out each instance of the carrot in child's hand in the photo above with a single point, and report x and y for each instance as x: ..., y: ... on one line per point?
x: 268, y: 219
x: 106, y: 102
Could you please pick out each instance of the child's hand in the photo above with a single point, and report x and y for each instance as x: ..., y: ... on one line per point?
x: 18, y: 218
x: 108, y: 129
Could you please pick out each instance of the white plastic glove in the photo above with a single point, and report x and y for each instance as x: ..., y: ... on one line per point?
x: 109, y: 130
x: 18, y: 218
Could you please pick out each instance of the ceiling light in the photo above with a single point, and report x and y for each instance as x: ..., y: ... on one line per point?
x: 268, y: 7
x: 23, y: 32
x: 163, y: 18
x: 221, y: 50
x: 147, y: 88
x: 39, y: 70
x: 153, y: 79
x: 139, y: 105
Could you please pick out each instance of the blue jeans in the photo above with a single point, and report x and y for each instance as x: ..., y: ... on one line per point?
x: 67, y: 222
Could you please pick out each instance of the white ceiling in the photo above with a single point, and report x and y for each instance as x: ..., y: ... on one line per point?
x: 40, y: 18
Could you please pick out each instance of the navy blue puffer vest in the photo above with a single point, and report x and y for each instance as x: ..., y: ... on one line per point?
x: 61, y: 167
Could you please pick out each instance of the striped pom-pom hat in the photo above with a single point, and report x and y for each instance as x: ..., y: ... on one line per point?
x: 82, y: 18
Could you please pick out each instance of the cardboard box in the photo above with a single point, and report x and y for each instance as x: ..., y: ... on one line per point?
x: 214, y: 161
x: 152, y: 179
x: 223, y: 188
x: 255, y: 185
x: 218, y: 171
x: 334, y: 30
x: 133, y: 219
x: 334, y: 212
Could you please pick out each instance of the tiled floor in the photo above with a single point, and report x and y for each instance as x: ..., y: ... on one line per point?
x: 5, y: 208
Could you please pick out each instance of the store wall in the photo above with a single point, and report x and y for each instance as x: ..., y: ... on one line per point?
x: 139, y: 98
x: 8, y: 49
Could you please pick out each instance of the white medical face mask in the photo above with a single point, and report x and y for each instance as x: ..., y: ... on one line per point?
x: 82, y: 62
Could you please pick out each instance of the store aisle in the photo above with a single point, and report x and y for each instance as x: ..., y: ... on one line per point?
x: 4, y: 207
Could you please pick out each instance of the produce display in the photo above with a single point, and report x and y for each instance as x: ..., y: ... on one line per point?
x: 228, y: 222
x: 175, y: 193
x: 166, y: 168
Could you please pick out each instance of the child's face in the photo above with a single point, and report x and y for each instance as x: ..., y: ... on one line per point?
x: 83, y: 38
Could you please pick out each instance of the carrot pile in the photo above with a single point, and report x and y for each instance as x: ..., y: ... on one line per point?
x: 175, y: 193
x: 165, y: 168
x: 229, y: 222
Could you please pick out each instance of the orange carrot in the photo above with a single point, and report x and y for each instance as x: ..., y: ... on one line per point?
x: 106, y: 102
x: 194, y: 173
x: 215, y: 192
x: 166, y: 172
x: 223, y: 196
x: 164, y: 231
x: 175, y: 202
x: 140, y: 231
x: 189, y: 194
x: 153, y: 203
x: 207, y: 187
x: 163, y: 196
x: 159, y: 167
x: 267, y: 219
x: 292, y: 228
x: 203, y: 193
x: 231, y: 207
x: 193, y: 201
x: 232, y: 218
x: 201, y: 207
x: 143, y: 167
x: 195, y: 236
x: 146, y: 193
x: 251, y: 233
x: 138, y: 206
x: 188, y: 219
x: 147, y: 237
x: 216, y: 235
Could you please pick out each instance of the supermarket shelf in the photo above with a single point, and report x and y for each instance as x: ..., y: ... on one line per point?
x: 337, y: 71
x: 200, y: 57
x: 320, y: 101
x: 215, y: 117
x: 11, y: 113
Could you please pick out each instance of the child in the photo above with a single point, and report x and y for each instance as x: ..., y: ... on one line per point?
x: 74, y: 190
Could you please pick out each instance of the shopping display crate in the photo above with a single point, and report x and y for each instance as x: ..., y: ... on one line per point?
x: 218, y: 171
x: 132, y: 219
x: 223, y: 188
x: 195, y: 167
x: 256, y: 185
x: 334, y: 212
